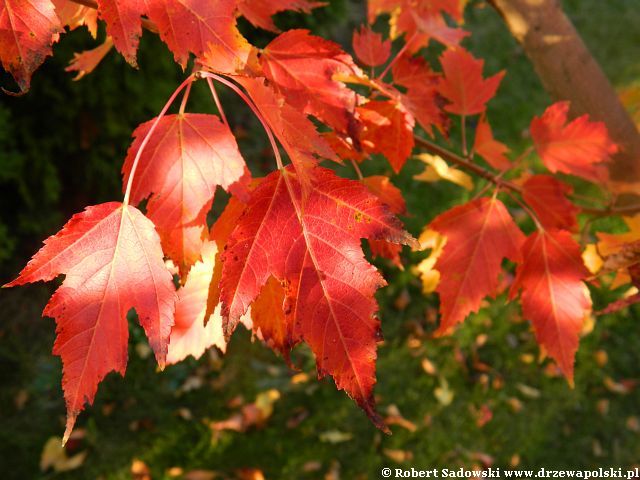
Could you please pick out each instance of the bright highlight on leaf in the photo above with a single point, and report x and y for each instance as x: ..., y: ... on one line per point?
x: 437, y: 169
x: 112, y: 259
x: 206, y: 28
x: 187, y: 157
x: 189, y: 335
x: 430, y: 240
x: 73, y: 15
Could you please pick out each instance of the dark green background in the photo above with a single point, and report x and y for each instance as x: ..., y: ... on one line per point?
x: 61, y: 148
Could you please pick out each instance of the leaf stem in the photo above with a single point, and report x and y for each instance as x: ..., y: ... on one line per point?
x: 185, y: 99
x: 529, y: 212
x: 395, y: 59
x: 185, y: 84
x: 466, y: 164
x: 463, y: 127
x: 496, y: 179
x: 357, y: 169
x: 254, y: 109
x: 216, y: 99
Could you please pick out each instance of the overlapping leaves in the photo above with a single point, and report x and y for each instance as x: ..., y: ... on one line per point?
x: 289, y: 248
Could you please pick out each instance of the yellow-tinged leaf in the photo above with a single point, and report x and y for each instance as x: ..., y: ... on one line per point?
x: 620, y: 250
x: 609, y: 243
x: 437, y: 169
x: 430, y: 239
x: 589, y: 323
x: 335, y: 436
x: 190, y: 335
x: 592, y: 260
x: 443, y: 393
x: 55, y: 456
x: 265, y: 400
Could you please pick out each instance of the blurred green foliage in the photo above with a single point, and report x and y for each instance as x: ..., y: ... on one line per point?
x: 61, y: 148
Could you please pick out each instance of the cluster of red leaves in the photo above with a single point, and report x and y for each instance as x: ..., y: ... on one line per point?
x: 288, y: 246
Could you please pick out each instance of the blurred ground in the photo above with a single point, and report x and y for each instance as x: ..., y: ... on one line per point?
x: 477, y: 398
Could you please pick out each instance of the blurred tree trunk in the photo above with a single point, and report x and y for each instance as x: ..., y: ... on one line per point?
x: 568, y: 71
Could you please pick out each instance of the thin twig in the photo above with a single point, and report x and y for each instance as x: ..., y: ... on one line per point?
x: 466, y: 164
x: 145, y: 140
x: 216, y: 99
x: 254, y: 109
x: 357, y: 169
x: 463, y: 126
x: 397, y: 57
x: 185, y: 99
x: 497, y: 180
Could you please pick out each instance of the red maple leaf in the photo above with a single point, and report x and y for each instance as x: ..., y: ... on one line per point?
x: 420, y: 21
x: 312, y: 246
x: 580, y: 147
x: 124, y: 26
x: 270, y: 321
x: 369, y: 47
x: 421, y: 98
x: 297, y: 134
x: 463, y: 84
x: 186, y: 158
x: 259, y: 12
x: 220, y: 232
x: 302, y: 67
x: 111, y: 256
x: 554, y: 297
x: 387, y: 192
x: 480, y: 234
x: 491, y: 150
x: 410, y: 71
x: 391, y: 195
x: 387, y: 128
x: 548, y: 198
x: 27, y: 31
x: 206, y: 28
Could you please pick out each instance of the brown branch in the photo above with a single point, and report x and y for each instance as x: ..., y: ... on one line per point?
x: 495, y: 179
x: 146, y: 23
x: 466, y: 164
x: 611, y: 211
x: 568, y: 71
